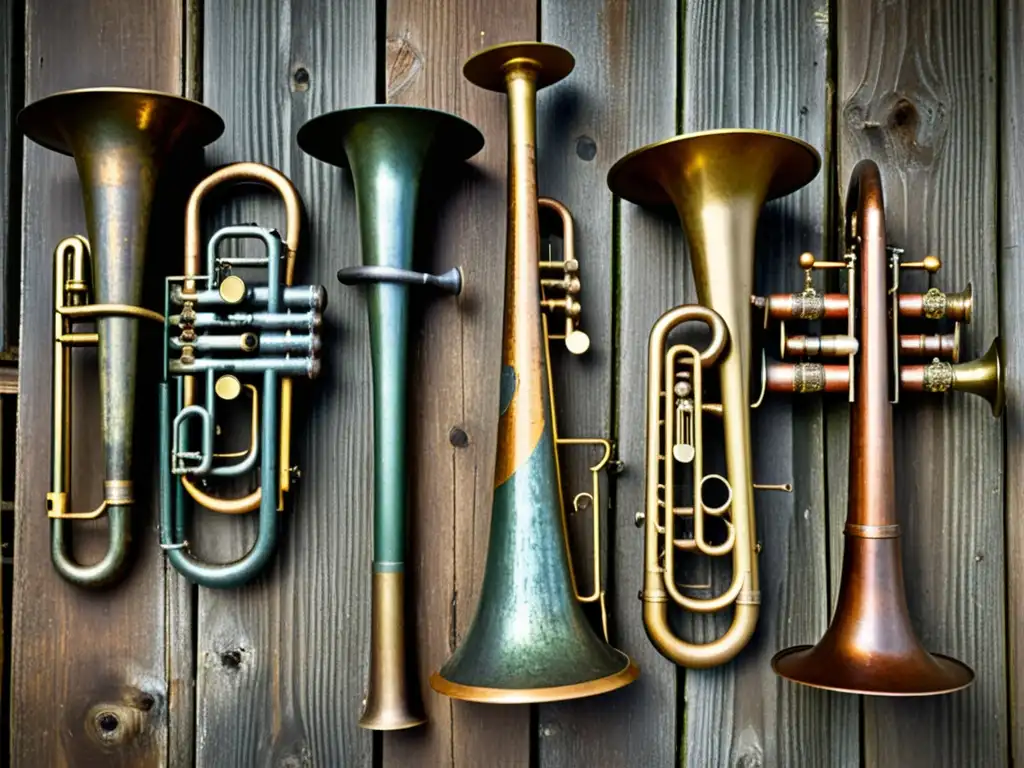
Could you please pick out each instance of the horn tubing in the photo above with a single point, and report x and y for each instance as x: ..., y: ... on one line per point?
x: 304, y: 321
x: 312, y: 297
x: 179, y: 492
x: 172, y: 526
x: 118, y: 155
x: 118, y: 519
x: 386, y: 176
x: 118, y: 248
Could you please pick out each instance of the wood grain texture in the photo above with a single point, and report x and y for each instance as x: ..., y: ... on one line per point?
x: 84, y: 654
x: 180, y: 593
x: 764, y: 66
x: 1011, y: 277
x: 918, y: 95
x: 620, y: 95
x: 10, y: 176
x: 457, y: 357
x: 281, y: 663
x: 7, y: 56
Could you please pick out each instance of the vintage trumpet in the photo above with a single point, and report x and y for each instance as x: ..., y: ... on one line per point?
x: 120, y: 139
x: 225, y: 328
x: 870, y: 646
x: 389, y: 150
x: 529, y: 640
x: 718, y: 182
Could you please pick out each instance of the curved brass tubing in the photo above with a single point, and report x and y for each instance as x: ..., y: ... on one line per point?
x: 256, y: 173
x: 718, y: 181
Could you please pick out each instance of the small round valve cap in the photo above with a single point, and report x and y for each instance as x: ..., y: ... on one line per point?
x: 232, y: 289
x: 577, y: 342
x: 228, y: 387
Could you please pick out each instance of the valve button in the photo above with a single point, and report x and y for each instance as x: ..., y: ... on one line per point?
x: 577, y: 342
x: 232, y: 289
x: 228, y: 387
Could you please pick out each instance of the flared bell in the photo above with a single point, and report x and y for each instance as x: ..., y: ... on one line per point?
x: 389, y: 138
x: 984, y: 377
x: 718, y: 182
x: 694, y: 168
x: 870, y: 646
x: 530, y: 641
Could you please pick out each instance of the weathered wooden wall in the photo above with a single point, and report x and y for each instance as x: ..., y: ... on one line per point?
x: 274, y: 674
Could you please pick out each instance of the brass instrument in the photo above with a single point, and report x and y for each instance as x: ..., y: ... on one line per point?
x: 718, y: 182
x: 390, y: 150
x: 870, y: 646
x: 120, y: 139
x: 529, y: 640
x: 232, y: 339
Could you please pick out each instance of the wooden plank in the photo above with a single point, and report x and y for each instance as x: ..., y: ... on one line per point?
x: 1011, y: 277
x: 89, y: 678
x: 180, y: 595
x: 7, y: 56
x: 453, y: 413
x: 281, y: 662
x: 764, y: 65
x: 620, y: 95
x: 918, y: 95
x: 11, y: 54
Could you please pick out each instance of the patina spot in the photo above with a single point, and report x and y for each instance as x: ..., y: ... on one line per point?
x: 509, y: 380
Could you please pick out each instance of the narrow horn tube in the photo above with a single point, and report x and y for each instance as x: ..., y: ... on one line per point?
x: 311, y: 297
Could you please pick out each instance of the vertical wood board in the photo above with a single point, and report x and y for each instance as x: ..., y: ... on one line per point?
x: 1011, y: 278
x: 89, y: 681
x: 764, y: 66
x: 281, y: 662
x: 917, y: 95
x: 609, y: 105
x: 457, y: 354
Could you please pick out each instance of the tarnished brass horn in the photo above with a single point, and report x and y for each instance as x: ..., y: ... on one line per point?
x: 529, y: 640
x: 391, y: 151
x: 120, y: 139
x: 870, y: 646
x: 233, y: 338
x: 718, y: 182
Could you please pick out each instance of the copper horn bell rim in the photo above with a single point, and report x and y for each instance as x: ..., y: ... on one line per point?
x: 718, y: 182
x: 870, y: 646
x: 119, y: 138
x: 529, y: 640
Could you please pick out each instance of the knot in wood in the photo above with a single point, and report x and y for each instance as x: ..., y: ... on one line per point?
x: 906, y: 130
x: 300, y: 79
x: 114, y: 724
x: 402, y: 63
x: 457, y: 437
